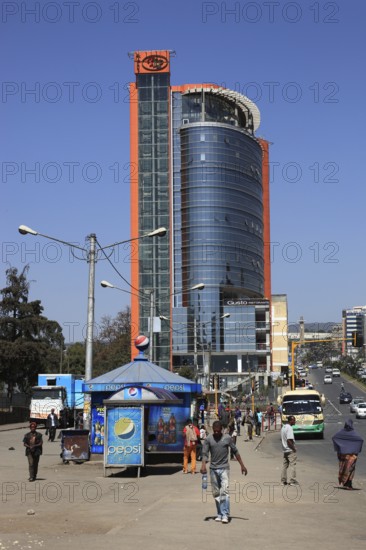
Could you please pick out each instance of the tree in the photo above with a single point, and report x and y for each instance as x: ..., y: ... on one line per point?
x: 75, y: 358
x: 29, y: 342
x: 113, y: 345
x: 186, y: 372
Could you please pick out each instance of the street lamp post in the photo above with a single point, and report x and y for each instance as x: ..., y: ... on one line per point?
x: 106, y: 284
x: 91, y: 258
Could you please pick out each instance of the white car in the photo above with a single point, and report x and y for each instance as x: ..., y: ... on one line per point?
x: 336, y: 372
x: 328, y: 379
x: 328, y: 369
x: 361, y: 410
x: 355, y: 401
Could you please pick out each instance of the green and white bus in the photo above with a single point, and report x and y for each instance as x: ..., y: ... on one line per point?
x: 307, y: 407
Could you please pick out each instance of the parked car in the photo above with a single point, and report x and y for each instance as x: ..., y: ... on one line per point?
x: 355, y: 401
x: 328, y: 379
x: 336, y: 372
x: 345, y: 397
x: 361, y: 410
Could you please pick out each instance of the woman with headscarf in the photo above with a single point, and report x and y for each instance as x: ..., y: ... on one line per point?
x: 348, y: 444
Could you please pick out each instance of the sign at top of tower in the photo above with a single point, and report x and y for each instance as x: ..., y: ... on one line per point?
x: 153, y: 61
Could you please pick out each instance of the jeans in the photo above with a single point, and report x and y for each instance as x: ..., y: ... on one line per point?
x: 220, y: 490
x: 289, y: 461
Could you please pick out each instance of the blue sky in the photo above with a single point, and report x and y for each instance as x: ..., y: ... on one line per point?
x: 301, y: 62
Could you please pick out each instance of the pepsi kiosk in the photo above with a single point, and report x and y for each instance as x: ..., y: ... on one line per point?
x: 136, y: 409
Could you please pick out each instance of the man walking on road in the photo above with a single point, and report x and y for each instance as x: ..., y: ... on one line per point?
x: 52, y: 424
x: 217, y: 445
x: 32, y: 442
x: 289, y: 452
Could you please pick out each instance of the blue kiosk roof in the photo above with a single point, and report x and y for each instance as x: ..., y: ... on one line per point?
x: 144, y: 373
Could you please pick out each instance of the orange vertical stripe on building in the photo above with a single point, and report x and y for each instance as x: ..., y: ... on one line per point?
x: 134, y: 210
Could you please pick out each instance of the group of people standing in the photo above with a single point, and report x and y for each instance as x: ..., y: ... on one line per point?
x: 232, y: 421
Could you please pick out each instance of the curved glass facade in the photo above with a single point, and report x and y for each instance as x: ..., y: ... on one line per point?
x: 221, y: 205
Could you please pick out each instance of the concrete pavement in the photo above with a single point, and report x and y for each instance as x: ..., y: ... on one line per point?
x: 75, y: 506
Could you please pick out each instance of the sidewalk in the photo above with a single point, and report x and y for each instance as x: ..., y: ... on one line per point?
x: 74, y: 505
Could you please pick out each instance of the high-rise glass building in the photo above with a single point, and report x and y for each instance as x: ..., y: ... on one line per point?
x: 198, y: 169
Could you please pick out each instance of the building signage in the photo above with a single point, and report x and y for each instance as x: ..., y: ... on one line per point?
x: 124, y: 436
x: 154, y: 63
x: 134, y: 393
x: 248, y: 302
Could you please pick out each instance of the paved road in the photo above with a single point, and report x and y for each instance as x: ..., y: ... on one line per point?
x: 75, y: 506
x: 335, y: 416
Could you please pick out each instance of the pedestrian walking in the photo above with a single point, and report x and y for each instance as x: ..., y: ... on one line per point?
x: 258, y: 422
x: 52, y: 425
x: 33, y: 442
x: 289, y: 452
x: 215, y: 447
x: 225, y: 418
x: 249, y: 421
x: 238, y: 418
x: 233, y: 432
x: 348, y: 444
x: 191, y: 437
x: 202, y: 413
x: 270, y: 415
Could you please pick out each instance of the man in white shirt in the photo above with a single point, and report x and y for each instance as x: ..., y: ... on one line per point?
x: 289, y: 452
x: 52, y: 424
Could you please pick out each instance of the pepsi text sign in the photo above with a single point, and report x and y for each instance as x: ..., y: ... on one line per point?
x: 124, y: 436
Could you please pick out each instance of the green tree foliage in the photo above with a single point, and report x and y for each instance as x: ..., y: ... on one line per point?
x: 74, y: 359
x: 112, y: 348
x: 186, y: 372
x: 29, y: 342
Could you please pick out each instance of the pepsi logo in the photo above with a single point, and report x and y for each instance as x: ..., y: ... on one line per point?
x: 142, y: 342
x: 132, y: 392
x: 124, y: 428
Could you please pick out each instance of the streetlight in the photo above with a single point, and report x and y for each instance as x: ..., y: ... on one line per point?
x: 106, y: 284
x: 91, y: 258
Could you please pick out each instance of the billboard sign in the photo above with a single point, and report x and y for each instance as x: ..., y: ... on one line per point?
x: 124, y: 440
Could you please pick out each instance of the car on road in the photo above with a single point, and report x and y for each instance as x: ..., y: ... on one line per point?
x: 336, y: 372
x: 361, y: 410
x: 355, y: 401
x: 329, y: 370
x: 328, y: 379
x: 345, y: 397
